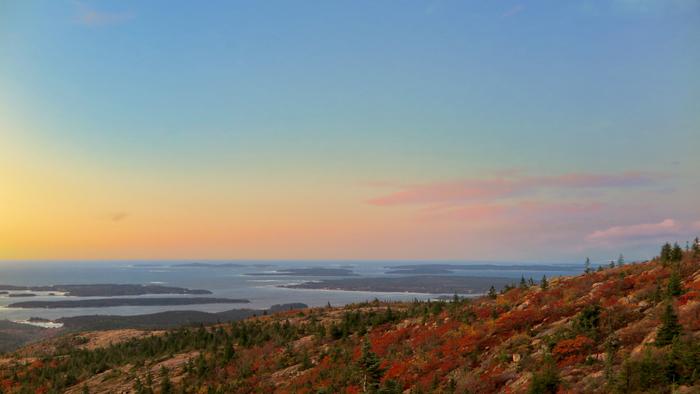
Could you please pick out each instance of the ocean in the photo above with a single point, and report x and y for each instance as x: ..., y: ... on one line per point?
x: 226, y: 282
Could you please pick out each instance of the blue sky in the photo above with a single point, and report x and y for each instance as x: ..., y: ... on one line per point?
x: 285, y: 105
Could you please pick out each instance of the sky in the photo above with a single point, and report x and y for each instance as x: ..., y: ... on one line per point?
x: 335, y: 130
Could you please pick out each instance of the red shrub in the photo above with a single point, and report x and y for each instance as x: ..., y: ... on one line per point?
x: 571, y: 351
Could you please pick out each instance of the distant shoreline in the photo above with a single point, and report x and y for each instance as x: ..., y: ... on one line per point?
x: 410, y: 284
x: 111, y: 302
x: 105, y: 289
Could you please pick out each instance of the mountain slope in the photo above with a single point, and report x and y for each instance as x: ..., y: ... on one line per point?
x: 634, y: 328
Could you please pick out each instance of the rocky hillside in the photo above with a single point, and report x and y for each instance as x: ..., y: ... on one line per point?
x: 633, y: 328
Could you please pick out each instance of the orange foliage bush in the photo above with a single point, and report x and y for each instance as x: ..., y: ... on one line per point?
x: 571, y: 351
x: 518, y: 320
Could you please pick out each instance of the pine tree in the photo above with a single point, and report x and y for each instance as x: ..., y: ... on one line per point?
x: 676, y: 252
x: 611, y: 346
x: 138, y: 387
x: 620, y: 260
x: 587, y: 266
x: 149, y: 380
x: 228, y: 352
x: 492, y: 292
x: 546, y: 380
x: 669, y: 327
x: 696, y: 247
x: 369, y: 361
x: 588, y: 320
x: 658, y: 294
x: 675, y: 287
x: 165, y: 386
x: 544, y: 284
x: 523, y: 283
x: 665, y: 254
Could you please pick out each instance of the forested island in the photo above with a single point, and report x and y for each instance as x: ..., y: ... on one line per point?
x: 209, y: 265
x: 14, y: 334
x: 410, y: 284
x: 109, y: 302
x: 441, y: 269
x: 307, y: 272
x: 168, y: 319
x: 107, y: 289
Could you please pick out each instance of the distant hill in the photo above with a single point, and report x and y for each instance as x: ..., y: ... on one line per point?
x: 209, y: 265
x: 625, y: 329
x: 110, y: 302
x: 316, y: 271
x: 107, y: 289
x: 431, y: 284
x: 12, y: 335
x: 169, y: 319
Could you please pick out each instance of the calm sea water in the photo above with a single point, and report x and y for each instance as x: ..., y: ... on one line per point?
x: 235, y: 282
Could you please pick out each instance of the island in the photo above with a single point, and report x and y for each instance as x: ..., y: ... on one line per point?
x: 307, y: 272
x: 107, y: 289
x: 410, y: 284
x: 109, y: 302
x: 440, y: 269
x: 18, y: 295
x: 15, y: 334
x: 208, y: 265
x: 168, y: 319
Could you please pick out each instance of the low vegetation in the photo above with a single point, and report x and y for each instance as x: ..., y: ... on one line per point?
x: 625, y: 328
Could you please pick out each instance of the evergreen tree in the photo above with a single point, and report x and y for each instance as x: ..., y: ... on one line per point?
x: 587, y: 266
x: 620, y: 260
x: 523, y: 283
x: 669, y: 327
x: 149, y: 383
x: 676, y: 252
x: 369, y: 361
x: 165, y: 386
x: 492, y: 292
x: 657, y: 296
x: 675, y: 287
x: 138, y: 387
x: 546, y: 380
x: 665, y: 254
x: 696, y: 247
x: 611, y: 346
x: 588, y: 320
x: 228, y: 352
x: 544, y: 284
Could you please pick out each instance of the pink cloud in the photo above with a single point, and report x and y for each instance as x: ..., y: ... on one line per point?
x: 471, y: 190
x: 521, y: 212
x: 447, y: 192
x: 471, y: 213
x: 665, y: 228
